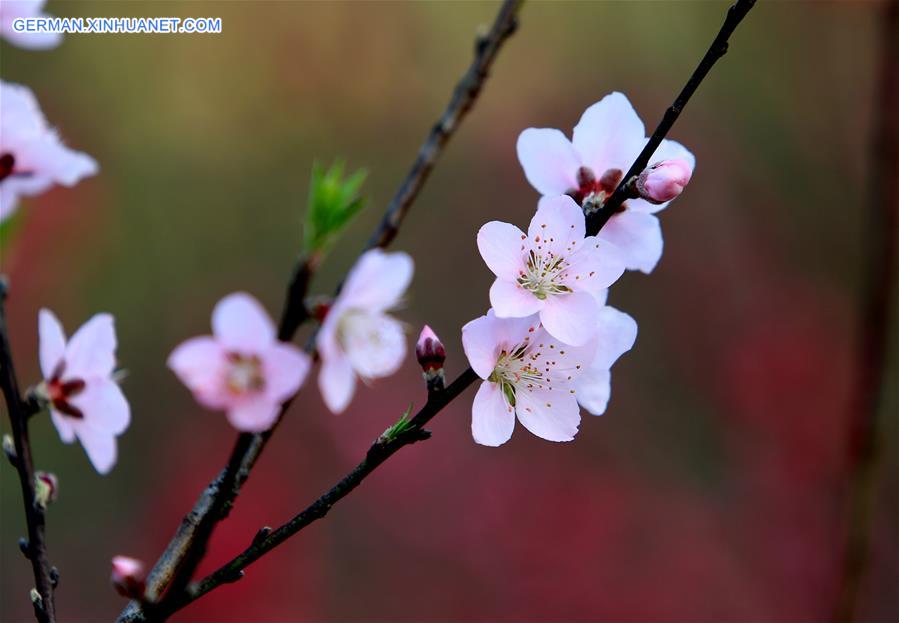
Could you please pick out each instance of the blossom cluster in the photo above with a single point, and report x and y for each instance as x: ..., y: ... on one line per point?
x: 546, y: 346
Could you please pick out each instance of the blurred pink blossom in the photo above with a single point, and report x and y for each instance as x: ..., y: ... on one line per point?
x: 552, y: 271
x: 526, y: 373
x: 242, y: 368
x: 358, y: 337
x: 12, y: 9
x: 32, y: 156
x: 85, y: 401
x: 605, y: 143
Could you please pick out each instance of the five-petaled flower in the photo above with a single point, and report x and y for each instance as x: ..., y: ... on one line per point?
x: 553, y: 270
x: 242, y: 368
x: 358, y: 337
x: 605, y: 143
x: 32, y: 157
x: 10, y: 10
x: 527, y: 373
x: 85, y: 401
x: 616, y: 333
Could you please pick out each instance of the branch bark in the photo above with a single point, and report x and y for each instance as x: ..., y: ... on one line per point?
x: 36, y: 548
x: 881, y: 242
x: 381, y: 450
x: 178, y: 563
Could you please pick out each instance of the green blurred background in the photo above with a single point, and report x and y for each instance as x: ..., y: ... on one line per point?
x: 712, y: 490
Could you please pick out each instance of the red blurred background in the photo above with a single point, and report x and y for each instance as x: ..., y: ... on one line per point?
x: 713, y: 488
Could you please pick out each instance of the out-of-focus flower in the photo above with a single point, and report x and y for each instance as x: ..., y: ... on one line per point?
x: 13, y: 9
x: 85, y: 401
x: 527, y: 373
x: 664, y: 180
x: 32, y: 156
x: 616, y: 333
x: 128, y: 577
x: 553, y: 270
x: 605, y: 143
x: 242, y: 368
x: 358, y: 337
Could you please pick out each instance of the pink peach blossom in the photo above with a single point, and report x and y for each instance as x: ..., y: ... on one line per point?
x: 527, y: 373
x: 553, y: 271
x: 242, y: 368
x: 358, y: 337
x: 12, y: 9
x: 32, y: 156
x: 605, y: 143
x: 85, y: 401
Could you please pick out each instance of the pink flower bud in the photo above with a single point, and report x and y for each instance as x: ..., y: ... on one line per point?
x: 46, y: 488
x: 664, y: 180
x: 128, y: 577
x: 429, y: 350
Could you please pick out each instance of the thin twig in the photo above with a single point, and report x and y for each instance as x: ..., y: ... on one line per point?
x: 35, y: 549
x: 178, y: 562
x: 736, y: 13
x: 380, y: 451
x: 881, y: 243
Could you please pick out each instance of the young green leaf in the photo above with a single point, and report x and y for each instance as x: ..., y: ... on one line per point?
x: 333, y: 201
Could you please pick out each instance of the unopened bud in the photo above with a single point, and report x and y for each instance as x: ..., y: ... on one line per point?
x: 128, y: 577
x: 46, y: 488
x: 431, y: 355
x: 664, y: 180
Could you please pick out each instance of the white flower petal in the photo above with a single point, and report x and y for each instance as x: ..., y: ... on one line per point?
x: 492, y: 419
x: 91, y: 351
x: 502, y: 247
x: 377, y: 282
x: 557, y: 227
x: 510, y: 300
x: 241, y: 324
x: 570, y: 318
x: 254, y: 414
x: 638, y: 236
x: 609, y: 135
x: 200, y: 364
x: 63, y: 425
x: 104, y: 406
x: 595, y: 266
x: 549, y: 160
x: 285, y: 369
x: 551, y: 415
x: 337, y: 383
x: 374, y: 343
x: 52, y: 342
x: 616, y: 333
x: 593, y: 389
x: 100, y: 446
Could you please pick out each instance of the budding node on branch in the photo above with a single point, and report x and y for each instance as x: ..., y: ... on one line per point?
x: 9, y: 449
x: 46, y: 489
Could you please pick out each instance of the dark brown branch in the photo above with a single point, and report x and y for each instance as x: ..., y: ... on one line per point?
x: 881, y: 243
x: 178, y: 563
x: 381, y: 451
x: 736, y: 13
x: 35, y: 549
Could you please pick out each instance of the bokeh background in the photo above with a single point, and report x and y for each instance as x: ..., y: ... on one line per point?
x: 711, y: 491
